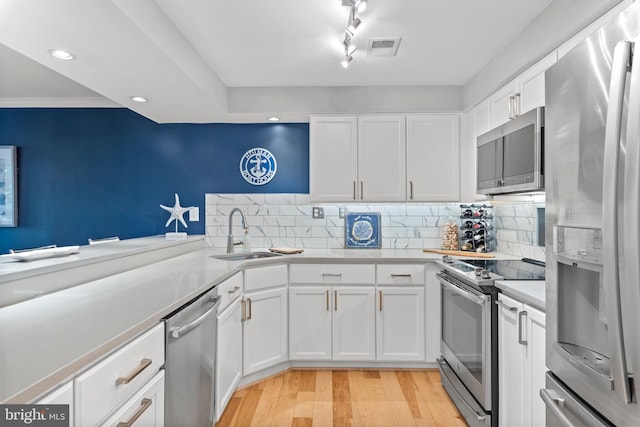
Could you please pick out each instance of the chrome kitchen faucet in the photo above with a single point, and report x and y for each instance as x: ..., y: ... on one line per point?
x: 230, y: 242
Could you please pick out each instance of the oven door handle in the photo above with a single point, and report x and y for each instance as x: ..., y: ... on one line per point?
x: 461, y: 292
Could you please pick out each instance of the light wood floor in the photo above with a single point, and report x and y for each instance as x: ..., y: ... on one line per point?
x: 341, y: 398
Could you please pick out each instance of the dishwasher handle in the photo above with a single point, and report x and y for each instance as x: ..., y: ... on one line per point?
x: 179, y: 331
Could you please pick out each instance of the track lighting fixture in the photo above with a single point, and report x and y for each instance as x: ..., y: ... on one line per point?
x: 355, y: 6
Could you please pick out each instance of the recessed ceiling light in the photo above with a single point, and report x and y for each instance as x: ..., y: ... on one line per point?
x: 273, y: 119
x: 138, y: 98
x: 61, y: 54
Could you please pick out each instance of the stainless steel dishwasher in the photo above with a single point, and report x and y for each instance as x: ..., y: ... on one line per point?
x: 190, y: 362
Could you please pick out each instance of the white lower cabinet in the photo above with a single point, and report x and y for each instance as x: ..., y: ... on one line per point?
x: 433, y: 311
x: 521, y: 363
x: 265, y: 329
x: 400, y: 328
x: 332, y: 323
x: 144, y: 409
x: 229, y: 355
x: 354, y: 323
x: 104, y: 389
x: 63, y: 395
x: 310, y: 323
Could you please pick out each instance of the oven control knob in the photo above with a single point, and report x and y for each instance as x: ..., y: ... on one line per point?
x: 447, y: 259
x: 486, y: 274
x: 477, y: 271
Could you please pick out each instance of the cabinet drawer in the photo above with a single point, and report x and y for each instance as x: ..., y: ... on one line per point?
x: 265, y: 277
x: 401, y: 274
x: 333, y: 273
x: 103, y: 388
x: 145, y: 408
x: 229, y: 290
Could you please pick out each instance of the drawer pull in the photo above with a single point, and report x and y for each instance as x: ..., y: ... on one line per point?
x: 144, y: 405
x: 234, y: 290
x: 331, y: 274
x: 380, y: 293
x: 400, y: 275
x: 144, y: 363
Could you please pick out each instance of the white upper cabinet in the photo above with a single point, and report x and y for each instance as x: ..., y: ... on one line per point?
x: 385, y: 158
x: 381, y: 158
x: 530, y: 84
x: 433, y: 158
x: 502, y: 104
x: 333, y: 152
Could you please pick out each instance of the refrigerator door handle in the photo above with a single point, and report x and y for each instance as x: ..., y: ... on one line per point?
x: 631, y: 272
x: 611, y: 276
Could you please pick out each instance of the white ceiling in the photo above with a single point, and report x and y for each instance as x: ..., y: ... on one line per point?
x: 188, y: 56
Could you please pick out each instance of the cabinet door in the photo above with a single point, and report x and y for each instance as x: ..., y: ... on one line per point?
x: 433, y: 158
x: 333, y: 158
x: 531, y: 84
x: 310, y: 323
x: 381, y: 158
x: 354, y: 323
x: 433, y: 314
x: 535, y: 367
x: 265, y: 329
x: 63, y: 395
x: 501, y: 105
x: 228, y: 355
x: 511, y: 356
x: 400, y: 327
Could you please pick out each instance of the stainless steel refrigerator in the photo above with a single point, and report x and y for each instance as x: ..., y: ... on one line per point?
x: 592, y: 161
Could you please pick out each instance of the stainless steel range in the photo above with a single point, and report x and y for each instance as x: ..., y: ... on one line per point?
x: 469, y: 344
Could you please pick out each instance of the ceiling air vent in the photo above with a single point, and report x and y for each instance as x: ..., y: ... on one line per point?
x: 383, y: 47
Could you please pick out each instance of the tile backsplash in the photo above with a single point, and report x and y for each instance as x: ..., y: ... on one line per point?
x: 285, y: 220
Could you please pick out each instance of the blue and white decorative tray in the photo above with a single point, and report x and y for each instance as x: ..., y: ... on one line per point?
x: 362, y: 230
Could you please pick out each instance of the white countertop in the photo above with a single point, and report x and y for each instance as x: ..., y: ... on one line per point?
x: 530, y: 292
x: 45, y: 340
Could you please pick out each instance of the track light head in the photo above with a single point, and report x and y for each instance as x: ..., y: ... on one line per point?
x: 353, y: 26
x: 345, y: 62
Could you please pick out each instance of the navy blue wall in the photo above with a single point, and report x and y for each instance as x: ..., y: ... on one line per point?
x: 91, y: 173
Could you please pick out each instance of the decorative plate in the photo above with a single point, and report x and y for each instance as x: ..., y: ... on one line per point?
x: 362, y: 230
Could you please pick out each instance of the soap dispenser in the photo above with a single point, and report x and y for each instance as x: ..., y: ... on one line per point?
x: 246, y: 243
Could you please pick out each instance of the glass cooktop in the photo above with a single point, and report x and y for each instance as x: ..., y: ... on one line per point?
x: 524, y: 269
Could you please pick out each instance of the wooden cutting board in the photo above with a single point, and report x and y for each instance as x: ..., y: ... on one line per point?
x: 467, y: 254
x: 286, y: 251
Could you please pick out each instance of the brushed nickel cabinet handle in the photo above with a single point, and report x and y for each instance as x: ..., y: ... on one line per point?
x: 380, y: 295
x: 243, y: 317
x: 144, y: 405
x: 502, y: 304
x: 354, y: 191
x: 144, y: 363
x: 400, y: 275
x: 520, y: 322
x: 516, y: 104
x: 361, y: 190
x: 335, y: 300
x: 250, y: 309
x: 327, y: 300
x: 410, y: 190
x: 234, y: 290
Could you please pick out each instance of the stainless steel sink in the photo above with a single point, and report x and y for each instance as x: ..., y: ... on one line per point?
x: 245, y: 255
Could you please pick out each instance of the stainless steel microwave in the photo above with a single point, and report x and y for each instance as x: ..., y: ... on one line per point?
x: 511, y: 157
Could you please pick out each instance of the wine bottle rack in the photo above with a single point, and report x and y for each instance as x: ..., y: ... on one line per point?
x: 476, y: 228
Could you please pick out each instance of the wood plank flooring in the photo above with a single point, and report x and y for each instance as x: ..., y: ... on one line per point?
x: 343, y: 398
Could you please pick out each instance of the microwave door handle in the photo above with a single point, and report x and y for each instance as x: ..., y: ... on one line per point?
x: 611, y: 276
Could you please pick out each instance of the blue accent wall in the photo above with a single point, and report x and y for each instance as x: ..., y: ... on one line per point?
x: 99, y: 172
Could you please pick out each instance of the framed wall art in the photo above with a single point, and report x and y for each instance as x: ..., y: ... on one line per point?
x: 8, y: 186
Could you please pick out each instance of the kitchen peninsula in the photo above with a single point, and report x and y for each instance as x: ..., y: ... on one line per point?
x: 49, y: 339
